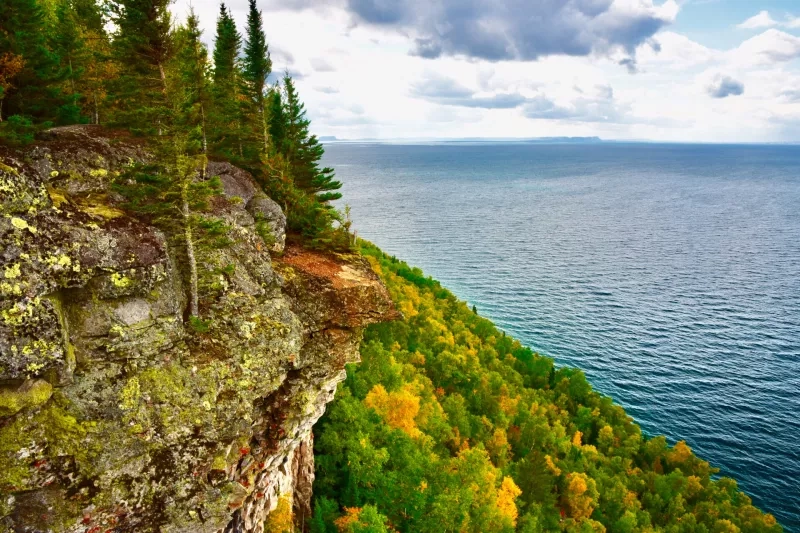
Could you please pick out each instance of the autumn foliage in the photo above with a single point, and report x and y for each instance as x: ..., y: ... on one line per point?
x: 449, y: 425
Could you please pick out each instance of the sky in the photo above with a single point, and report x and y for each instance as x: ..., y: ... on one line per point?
x: 669, y: 70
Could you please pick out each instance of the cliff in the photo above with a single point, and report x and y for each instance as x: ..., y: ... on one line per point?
x: 115, y: 415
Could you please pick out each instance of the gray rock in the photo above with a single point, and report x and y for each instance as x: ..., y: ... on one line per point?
x: 127, y: 417
x: 265, y: 210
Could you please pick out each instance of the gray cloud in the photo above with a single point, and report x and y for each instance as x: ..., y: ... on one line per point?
x: 507, y: 29
x: 446, y: 91
x: 326, y: 90
x: 596, y: 104
x: 725, y: 86
x: 792, y: 95
x: 320, y: 64
x: 602, y: 108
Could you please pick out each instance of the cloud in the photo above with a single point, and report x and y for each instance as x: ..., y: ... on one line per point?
x: 762, y: 20
x: 497, y: 30
x: 772, y: 46
x: 724, y: 86
x: 792, y: 95
x: 599, y: 108
x: 765, y: 20
x: 327, y: 90
x: 321, y: 64
x: 447, y: 91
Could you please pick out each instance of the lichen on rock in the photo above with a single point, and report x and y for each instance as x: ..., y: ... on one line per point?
x: 115, y: 413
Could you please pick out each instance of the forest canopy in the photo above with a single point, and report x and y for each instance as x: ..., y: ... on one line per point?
x: 449, y: 425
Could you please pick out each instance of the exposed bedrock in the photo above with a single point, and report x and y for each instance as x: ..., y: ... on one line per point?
x: 115, y: 414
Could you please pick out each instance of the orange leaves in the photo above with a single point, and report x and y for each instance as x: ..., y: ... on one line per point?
x: 398, y: 408
x: 10, y: 66
x: 348, y: 520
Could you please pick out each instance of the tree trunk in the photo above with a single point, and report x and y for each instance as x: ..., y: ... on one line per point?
x: 71, y: 78
x: 163, y: 78
x: 187, y: 233
x: 1, y: 110
x: 203, y: 125
x: 96, y: 113
x: 264, y: 123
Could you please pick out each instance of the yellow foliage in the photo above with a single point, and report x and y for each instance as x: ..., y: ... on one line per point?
x: 280, y: 519
x: 398, y: 408
x: 725, y: 526
x: 498, y: 447
x: 680, y: 453
x: 693, y: 485
x: 551, y: 466
x: 505, y: 499
x: 579, y: 496
x: 576, y: 439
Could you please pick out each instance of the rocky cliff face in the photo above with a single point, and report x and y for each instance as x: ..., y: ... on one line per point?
x: 117, y: 416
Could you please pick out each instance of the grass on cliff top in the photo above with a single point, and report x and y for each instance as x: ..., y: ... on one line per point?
x: 449, y: 425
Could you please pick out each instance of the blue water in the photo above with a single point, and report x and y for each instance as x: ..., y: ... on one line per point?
x: 669, y: 273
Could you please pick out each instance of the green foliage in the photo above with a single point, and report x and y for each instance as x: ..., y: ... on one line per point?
x: 19, y: 130
x: 485, y: 435
x: 192, y: 98
x: 29, y: 68
x: 303, y: 151
x: 226, y: 122
x: 143, y: 45
x: 199, y: 325
x: 256, y: 64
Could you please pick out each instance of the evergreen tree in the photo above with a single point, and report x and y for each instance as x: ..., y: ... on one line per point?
x: 226, y: 93
x: 94, y: 60
x: 30, y: 70
x: 69, y: 44
x: 170, y: 193
x: 143, y: 45
x: 256, y: 67
x: 303, y: 151
x: 192, y: 72
x: 277, y: 120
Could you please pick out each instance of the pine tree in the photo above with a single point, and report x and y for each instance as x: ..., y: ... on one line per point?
x: 192, y: 69
x: 170, y: 193
x: 68, y: 42
x: 143, y: 45
x: 226, y: 91
x: 277, y: 120
x: 256, y: 67
x: 29, y: 68
x: 303, y: 151
x: 94, y: 59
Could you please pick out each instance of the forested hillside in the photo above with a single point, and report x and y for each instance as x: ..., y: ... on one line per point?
x: 449, y: 425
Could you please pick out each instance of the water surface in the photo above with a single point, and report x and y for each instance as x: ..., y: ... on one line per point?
x: 669, y: 273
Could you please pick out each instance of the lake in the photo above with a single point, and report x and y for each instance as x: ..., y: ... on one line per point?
x: 668, y: 273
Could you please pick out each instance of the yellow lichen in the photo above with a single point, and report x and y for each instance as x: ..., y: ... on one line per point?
x: 8, y: 170
x: 13, y: 271
x: 30, y: 394
x: 120, y: 281
x: 19, y: 223
x: 57, y: 197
